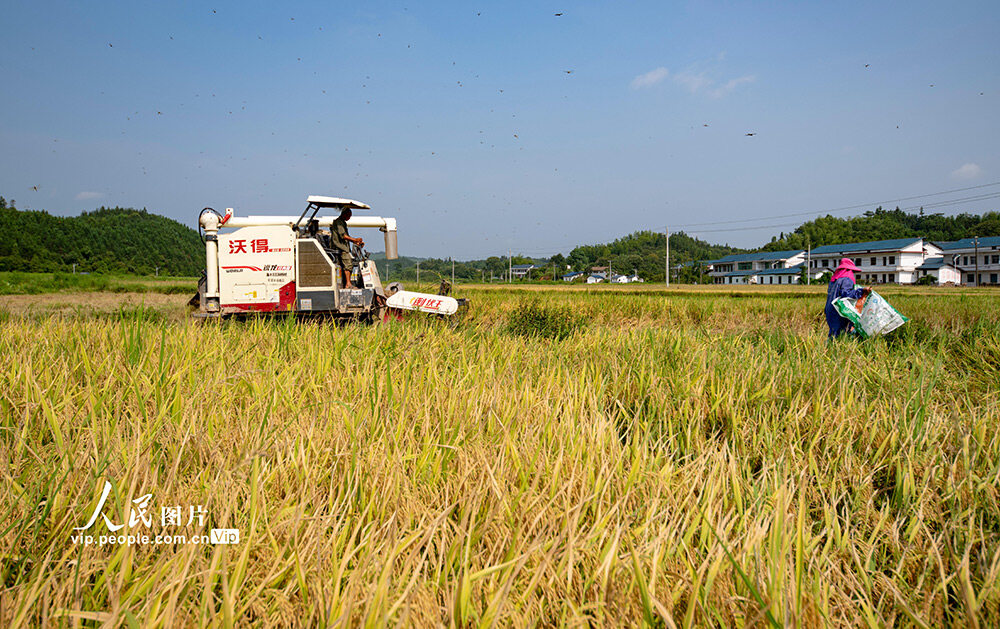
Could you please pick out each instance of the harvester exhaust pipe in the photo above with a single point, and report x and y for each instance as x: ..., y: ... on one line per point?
x: 391, y: 246
x: 210, y: 221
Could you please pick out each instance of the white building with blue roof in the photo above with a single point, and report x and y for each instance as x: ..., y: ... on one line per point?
x: 943, y: 271
x: 788, y: 275
x: 744, y: 268
x: 879, y: 261
x: 520, y: 271
x: 976, y: 259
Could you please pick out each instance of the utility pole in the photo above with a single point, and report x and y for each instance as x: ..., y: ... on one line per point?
x: 976, y: 241
x: 666, y: 262
x: 453, y: 271
x: 418, y: 275
x: 74, y: 268
x: 510, y: 268
x: 808, y: 262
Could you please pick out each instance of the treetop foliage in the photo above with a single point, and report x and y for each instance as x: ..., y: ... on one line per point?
x: 107, y: 240
x: 885, y: 225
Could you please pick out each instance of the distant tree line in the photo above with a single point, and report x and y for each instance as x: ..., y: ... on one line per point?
x: 642, y: 252
x: 126, y: 240
x: 107, y: 240
x: 886, y: 225
x: 435, y: 269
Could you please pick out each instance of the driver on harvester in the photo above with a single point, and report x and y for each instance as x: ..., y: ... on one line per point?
x: 340, y: 241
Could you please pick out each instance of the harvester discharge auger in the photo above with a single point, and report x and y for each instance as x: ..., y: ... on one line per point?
x: 284, y: 264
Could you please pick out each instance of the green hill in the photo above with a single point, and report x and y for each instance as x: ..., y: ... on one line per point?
x: 644, y: 252
x: 107, y: 240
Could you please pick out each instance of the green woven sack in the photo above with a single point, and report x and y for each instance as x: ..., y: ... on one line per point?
x: 848, y: 309
x: 877, y: 316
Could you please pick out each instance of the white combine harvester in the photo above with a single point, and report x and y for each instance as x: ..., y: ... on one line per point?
x: 275, y: 264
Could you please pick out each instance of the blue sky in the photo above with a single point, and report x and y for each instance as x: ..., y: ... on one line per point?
x: 495, y: 126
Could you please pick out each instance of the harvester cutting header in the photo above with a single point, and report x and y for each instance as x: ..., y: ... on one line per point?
x: 308, y: 264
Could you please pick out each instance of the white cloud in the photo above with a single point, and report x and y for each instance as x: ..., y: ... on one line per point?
x: 694, y: 83
x: 731, y: 85
x: 88, y: 196
x: 649, y: 79
x: 696, y: 78
x: 967, y: 171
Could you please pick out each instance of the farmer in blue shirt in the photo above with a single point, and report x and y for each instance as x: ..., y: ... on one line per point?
x: 841, y: 285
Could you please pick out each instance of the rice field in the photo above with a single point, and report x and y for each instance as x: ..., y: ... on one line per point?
x: 691, y: 457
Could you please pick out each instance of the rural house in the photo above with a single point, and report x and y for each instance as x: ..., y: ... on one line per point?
x: 943, y: 272
x: 788, y: 275
x: 520, y: 271
x: 742, y: 268
x: 880, y: 261
x: 972, y: 257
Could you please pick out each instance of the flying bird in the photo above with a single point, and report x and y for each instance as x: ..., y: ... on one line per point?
x: 558, y: 14
x: 568, y: 71
x: 35, y: 188
x: 867, y: 65
x: 751, y: 134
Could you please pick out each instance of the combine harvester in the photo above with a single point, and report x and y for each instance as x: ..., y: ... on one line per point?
x: 284, y: 264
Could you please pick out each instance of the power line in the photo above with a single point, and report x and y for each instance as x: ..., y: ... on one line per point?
x: 944, y: 203
x: 841, y: 209
x: 543, y: 251
x: 947, y: 202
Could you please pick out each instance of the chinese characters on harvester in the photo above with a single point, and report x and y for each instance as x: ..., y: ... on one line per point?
x: 258, y: 245
x: 140, y: 519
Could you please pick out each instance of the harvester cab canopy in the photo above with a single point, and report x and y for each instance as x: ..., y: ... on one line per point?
x: 315, y: 203
x: 322, y: 202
